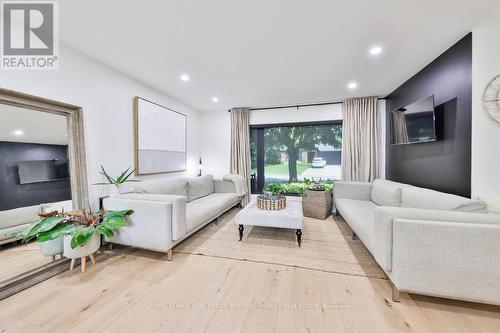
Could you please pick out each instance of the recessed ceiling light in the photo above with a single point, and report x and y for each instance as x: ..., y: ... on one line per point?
x: 185, y: 77
x: 375, y: 50
x: 17, y: 132
x: 215, y: 99
x: 352, y: 85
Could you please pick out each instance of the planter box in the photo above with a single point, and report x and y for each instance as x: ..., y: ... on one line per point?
x: 81, y: 251
x: 52, y: 247
x: 317, y: 204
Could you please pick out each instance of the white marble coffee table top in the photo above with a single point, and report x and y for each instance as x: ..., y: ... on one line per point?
x: 290, y: 217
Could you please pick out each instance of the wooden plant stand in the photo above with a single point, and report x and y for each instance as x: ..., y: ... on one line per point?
x: 83, y: 262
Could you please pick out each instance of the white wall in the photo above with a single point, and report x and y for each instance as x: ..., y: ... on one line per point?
x: 36, y: 127
x: 485, y: 131
x: 106, y: 97
x: 215, y: 142
x: 216, y: 131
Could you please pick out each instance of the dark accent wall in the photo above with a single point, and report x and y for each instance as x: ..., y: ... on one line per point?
x: 12, y: 193
x: 444, y: 165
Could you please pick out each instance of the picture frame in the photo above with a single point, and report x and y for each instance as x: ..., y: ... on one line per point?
x: 160, y: 138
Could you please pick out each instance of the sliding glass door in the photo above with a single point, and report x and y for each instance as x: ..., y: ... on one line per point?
x: 295, y: 152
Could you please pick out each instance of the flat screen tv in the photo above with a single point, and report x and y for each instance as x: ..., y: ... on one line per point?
x: 414, y: 123
x: 42, y: 171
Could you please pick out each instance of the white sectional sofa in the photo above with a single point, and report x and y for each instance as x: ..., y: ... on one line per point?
x: 167, y: 211
x: 13, y: 221
x: 427, y: 242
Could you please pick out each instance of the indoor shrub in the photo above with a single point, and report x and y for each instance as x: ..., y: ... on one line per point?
x: 81, y: 225
x: 295, y: 188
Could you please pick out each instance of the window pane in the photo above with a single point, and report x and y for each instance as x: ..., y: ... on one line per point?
x: 295, y: 153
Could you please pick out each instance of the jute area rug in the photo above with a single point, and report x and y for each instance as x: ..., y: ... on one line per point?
x: 326, y: 246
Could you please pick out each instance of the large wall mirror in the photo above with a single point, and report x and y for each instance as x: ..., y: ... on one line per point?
x: 42, y: 169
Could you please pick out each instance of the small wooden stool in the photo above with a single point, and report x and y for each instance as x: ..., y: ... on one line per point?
x: 83, y: 262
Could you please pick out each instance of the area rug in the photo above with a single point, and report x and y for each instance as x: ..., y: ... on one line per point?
x: 326, y: 245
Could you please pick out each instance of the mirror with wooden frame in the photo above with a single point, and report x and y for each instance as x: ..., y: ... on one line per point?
x: 42, y: 170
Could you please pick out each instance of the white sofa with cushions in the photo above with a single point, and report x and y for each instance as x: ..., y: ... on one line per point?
x: 166, y: 211
x: 427, y: 242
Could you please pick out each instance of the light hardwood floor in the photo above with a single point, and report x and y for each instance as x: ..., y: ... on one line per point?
x: 20, y: 258
x: 140, y: 291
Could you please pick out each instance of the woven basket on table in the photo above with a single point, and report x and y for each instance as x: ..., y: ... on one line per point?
x: 271, y: 203
x: 317, y: 204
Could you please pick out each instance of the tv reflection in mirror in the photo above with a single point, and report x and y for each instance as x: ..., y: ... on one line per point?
x: 43, y: 171
x: 414, y: 123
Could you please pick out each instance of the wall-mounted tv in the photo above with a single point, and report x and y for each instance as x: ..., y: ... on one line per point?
x: 414, y: 123
x: 42, y: 171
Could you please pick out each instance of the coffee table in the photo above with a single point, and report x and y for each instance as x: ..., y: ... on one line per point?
x: 289, y: 218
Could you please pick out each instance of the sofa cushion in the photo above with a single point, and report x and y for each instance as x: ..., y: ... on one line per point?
x: 360, y: 215
x: 59, y: 206
x: 199, y: 187
x: 10, y: 233
x: 162, y: 186
x: 19, y: 216
x: 492, y: 205
x: 207, y: 208
x: 417, y: 197
x: 224, y: 186
x: 387, y: 193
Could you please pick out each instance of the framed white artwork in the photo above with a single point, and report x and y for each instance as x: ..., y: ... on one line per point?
x: 160, y: 136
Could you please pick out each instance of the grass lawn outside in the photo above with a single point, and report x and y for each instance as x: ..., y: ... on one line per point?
x: 282, y: 169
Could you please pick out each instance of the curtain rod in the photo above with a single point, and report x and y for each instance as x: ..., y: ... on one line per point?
x: 297, y: 105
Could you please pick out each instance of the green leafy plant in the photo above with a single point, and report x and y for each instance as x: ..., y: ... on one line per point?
x: 295, y: 188
x: 122, y: 178
x: 81, y: 225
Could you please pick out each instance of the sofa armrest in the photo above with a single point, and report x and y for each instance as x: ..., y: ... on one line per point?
x: 447, y: 259
x: 352, y: 190
x: 150, y: 226
x: 384, y: 217
x: 179, y: 225
x: 224, y: 186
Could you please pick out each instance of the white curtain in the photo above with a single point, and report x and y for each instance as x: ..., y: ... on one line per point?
x: 399, y: 129
x: 360, y: 139
x: 240, y: 145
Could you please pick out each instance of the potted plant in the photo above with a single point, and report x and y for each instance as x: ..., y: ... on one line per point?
x: 115, y: 184
x: 48, y: 247
x: 81, y: 230
x: 52, y: 248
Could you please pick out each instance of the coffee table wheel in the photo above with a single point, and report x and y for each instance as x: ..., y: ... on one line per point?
x: 299, y: 236
x: 240, y: 228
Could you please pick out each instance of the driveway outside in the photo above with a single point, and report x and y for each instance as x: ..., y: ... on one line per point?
x: 328, y: 172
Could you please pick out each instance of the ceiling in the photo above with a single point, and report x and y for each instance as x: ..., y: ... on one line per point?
x: 262, y: 52
x: 25, y: 125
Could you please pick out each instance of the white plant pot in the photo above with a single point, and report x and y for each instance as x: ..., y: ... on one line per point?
x: 81, y: 251
x: 52, y: 247
x: 114, y: 190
